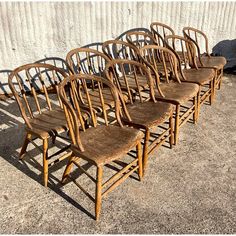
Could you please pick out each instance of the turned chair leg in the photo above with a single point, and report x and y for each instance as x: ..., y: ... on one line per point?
x: 25, y: 145
x: 68, y: 169
x: 171, y: 126
x: 140, y: 161
x: 145, y: 150
x: 177, y: 123
x: 211, y: 97
x: 45, y: 162
x: 195, y: 114
x: 198, y: 103
x: 98, y: 195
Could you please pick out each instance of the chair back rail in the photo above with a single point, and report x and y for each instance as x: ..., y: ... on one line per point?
x: 198, y: 37
x: 162, y: 58
x: 117, y: 49
x: 35, y: 81
x: 160, y: 31
x: 119, y: 70
x: 87, y: 61
x: 140, y: 39
x: 184, y: 49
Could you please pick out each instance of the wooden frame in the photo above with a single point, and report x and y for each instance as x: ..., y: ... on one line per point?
x: 171, y: 90
x: 92, y: 144
x: 145, y: 113
x: 204, y: 77
x: 204, y: 59
x: 44, y: 120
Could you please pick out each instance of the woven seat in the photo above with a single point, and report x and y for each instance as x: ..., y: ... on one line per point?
x: 202, y: 76
x: 178, y: 92
x: 216, y: 62
x: 104, y: 144
x: 149, y: 114
x: 48, y: 123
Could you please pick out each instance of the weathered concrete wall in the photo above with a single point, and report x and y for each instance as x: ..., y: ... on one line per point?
x: 31, y: 31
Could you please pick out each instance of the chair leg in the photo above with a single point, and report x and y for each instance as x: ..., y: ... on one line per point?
x: 98, y: 196
x: 198, y: 103
x: 195, y: 114
x: 68, y: 169
x: 211, y: 97
x: 220, y: 78
x: 171, y: 138
x: 140, y: 163
x: 177, y: 123
x: 25, y: 145
x: 45, y: 162
x: 145, y: 150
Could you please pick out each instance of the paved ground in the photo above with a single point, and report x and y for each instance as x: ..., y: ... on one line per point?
x: 189, y: 189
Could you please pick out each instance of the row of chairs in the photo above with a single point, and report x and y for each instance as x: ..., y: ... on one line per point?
x: 134, y: 95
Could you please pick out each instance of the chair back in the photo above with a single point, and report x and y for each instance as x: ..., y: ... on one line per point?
x: 160, y: 31
x: 72, y: 105
x: 198, y: 37
x: 34, y: 87
x: 140, y: 39
x: 162, y: 59
x: 117, y: 49
x: 86, y: 61
x: 129, y: 71
x: 184, y: 49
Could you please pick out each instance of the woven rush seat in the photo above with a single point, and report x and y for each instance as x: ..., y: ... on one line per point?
x: 201, y: 76
x: 216, y: 62
x: 48, y: 123
x: 178, y: 92
x: 149, y: 114
x: 112, y: 144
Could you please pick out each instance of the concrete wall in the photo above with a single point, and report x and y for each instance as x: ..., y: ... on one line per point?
x: 31, y: 31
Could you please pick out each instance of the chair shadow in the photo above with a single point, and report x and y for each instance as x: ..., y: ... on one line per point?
x: 96, y: 46
x: 122, y: 36
x: 56, y: 61
x: 5, y: 91
x: 227, y: 49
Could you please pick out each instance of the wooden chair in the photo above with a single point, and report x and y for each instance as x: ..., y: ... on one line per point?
x: 204, y: 58
x: 35, y: 89
x: 100, y: 144
x: 204, y: 77
x: 145, y: 113
x: 170, y: 89
x: 90, y: 61
x: 117, y: 49
x: 139, y: 39
x: 160, y: 31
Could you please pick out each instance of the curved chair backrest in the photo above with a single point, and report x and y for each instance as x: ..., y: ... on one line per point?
x: 72, y: 110
x: 117, y: 49
x: 184, y: 49
x: 140, y: 39
x: 129, y: 71
x: 160, y: 31
x: 198, y: 37
x: 38, y: 81
x: 162, y: 59
x: 86, y: 61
